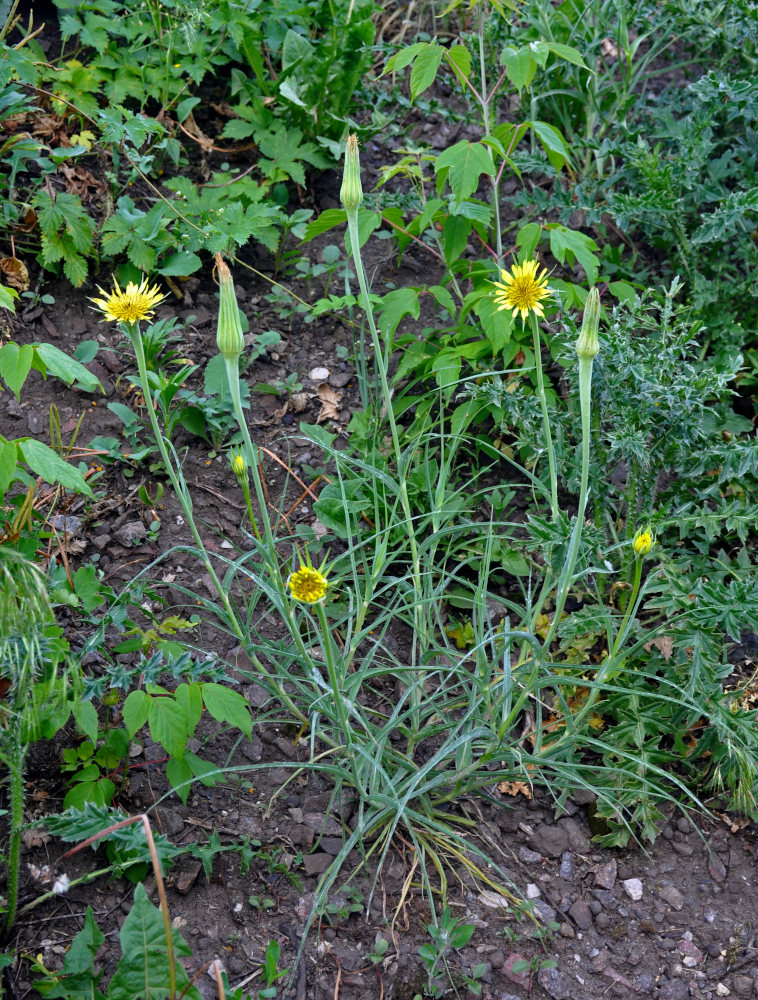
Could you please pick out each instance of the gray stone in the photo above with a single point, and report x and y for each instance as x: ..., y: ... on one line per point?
x: 671, y: 895
x: 316, y: 864
x: 550, y: 841
x: 556, y: 984
x: 674, y: 989
x: 716, y: 869
x: 576, y: 838
x: 743, y: 985
x: 581, y: 914
x: 545, y: 913
x: 529, y: 857
x: 583, y: 796
x: 605, y: 877
x: 131, y: 533
x: 568, y: 868
x: 566, y: 930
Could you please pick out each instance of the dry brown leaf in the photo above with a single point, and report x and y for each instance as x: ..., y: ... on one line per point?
x: 35, y: 838
x: 300, y: 401
x: 514, y: 788
x: 330, y: 401
x: 664, y: 644
x: 15, y: 273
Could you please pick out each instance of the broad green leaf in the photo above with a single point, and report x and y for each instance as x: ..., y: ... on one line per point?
x: 143, y: 972
x: 180, y: 777
x: 205, y: 771
x: 425, y: 67
x: 443, y: 298
x: 455, y: 234
x: 168, y: 724
x: 135, y: 711
x: 395, y: 305
x: 496, y: 323
x: 85, y: 715
x: 569, y: 53
x: 519, y: 64
x: 463, y: 165
x: 8, y: 298
x: 327, y: 220
x: 78, y: 979
x: 229, y: 706
x: 46, y: 463
x: 181, y: 264
x: 99, y: 792
x: 403, y: 58
x: 8, y: 464
x: 528, y: 239
x: 15, y: 363
x: 447, y: 368
x: 553, y: 143
x: 190, y: 697
x: 568, y: 243
x: 66, y: 368
x: 460, y: 60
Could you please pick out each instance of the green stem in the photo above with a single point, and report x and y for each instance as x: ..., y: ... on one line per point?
x: 564, y: 584
x: 381, y: 364
x: 485, y: 102
x: 546, y: 416
x: 178, y: 484
x: 15, y: 763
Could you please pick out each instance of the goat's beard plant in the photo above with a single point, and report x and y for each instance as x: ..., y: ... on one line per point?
x: 410, y: 736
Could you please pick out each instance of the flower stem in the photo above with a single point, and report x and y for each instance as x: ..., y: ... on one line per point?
x: 546, y: 416
x: 182, y: 494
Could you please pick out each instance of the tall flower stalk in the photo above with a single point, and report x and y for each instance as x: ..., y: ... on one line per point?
x: 521, y: 291
x: 129, y: 308
x: 351, y: 196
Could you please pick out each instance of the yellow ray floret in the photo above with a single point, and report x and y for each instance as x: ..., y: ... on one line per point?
x: 308, y: 585
x: 522, y: 289
x: 135, y: 303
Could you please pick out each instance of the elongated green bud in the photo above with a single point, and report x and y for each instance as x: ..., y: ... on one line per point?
x: 587, y: 346
x: 351, y: 192
x: 229, y: 332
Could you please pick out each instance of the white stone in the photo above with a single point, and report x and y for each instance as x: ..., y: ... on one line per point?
x: 722, y: 990
x: 633, y: 888
x: 533, y: 891
x: 318, y: 374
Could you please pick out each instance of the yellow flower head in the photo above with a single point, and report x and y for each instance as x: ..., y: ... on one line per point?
x: 643, y: 542
x: 137, y: 302
x: 522, y: 289
x: 308, y: 585
x: 238, y: 463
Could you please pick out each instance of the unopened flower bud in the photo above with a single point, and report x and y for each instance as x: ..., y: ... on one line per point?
x: 587, y: 346
x: 642, y: 542
x: 239, y: 465
x: 229, y: 333
x: 351, y: 192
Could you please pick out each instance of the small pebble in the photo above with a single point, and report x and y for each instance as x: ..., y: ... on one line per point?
x: 633, y: 888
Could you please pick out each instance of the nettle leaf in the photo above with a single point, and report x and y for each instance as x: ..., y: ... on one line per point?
x: 144, y: 970
x: 463, y: 165
x: 229, y: 706
x: 327, y: 220
x: 135, y: 711
x: 555, y: 146
x: 15, y: 364
x: 8, y: 464
x: 460, y: 62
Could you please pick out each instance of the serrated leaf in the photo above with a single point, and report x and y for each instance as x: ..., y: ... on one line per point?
x: 460, y: 60
x: 66, y: 368
x: 519, y: 64
x: 570, y: 243
x: 229, y: 706
x: 8, y: 464
x: 85, y: 715
x: 569, y: 53
x: 395, y: 305
x: 425, y: 67
x: 51, y: 467
x: 75, y: 269
x: 168, y: 724
x: 465, y: 163
x: 135, y: 711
